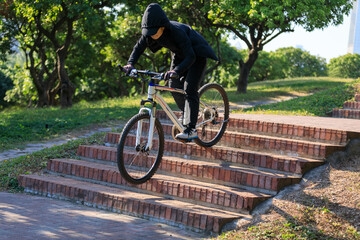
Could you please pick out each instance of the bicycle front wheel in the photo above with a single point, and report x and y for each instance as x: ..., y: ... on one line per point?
x: 136, y: 162
x: 213, y: 114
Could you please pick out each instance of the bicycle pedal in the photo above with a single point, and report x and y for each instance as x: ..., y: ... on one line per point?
x: 184, y: 141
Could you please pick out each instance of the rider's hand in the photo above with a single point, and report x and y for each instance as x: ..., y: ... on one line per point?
x: 127, y: 68
x: 170, y: 75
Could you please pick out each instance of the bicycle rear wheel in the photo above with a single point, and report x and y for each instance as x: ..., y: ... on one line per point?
x: 214, y: 110
x: 136, y: 163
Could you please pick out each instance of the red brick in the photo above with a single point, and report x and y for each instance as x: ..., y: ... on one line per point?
x: 268, y: 182
x: 215, y: 197
x: 191, y: 219
x: 185, y: 218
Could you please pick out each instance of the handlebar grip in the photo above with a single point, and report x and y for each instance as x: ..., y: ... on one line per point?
x: 174, y: 76
x: 121, y: 68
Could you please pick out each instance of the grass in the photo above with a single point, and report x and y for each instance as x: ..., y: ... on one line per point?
x: 11, y: 169
x: 22, y: 125
x: 268, y: 90
x: 317, y: 104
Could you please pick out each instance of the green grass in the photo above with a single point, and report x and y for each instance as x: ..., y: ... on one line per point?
x: 318, y: 104
x: 11, y: 169
x: 266, y: 90
x: 22, y: 125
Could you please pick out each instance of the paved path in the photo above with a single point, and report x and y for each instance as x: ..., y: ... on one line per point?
x: 34, y: 147
x: 25, y: 217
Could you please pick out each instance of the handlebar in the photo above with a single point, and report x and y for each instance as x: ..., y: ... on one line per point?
x: 154, y: 75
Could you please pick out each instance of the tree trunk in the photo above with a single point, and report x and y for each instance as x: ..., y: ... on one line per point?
x: 67, y: 88
x: 245, y: 71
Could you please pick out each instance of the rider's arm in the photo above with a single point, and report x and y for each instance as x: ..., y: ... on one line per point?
x: 138, y: 49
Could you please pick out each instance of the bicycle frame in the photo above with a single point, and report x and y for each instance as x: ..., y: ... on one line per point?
x: 154, y: 97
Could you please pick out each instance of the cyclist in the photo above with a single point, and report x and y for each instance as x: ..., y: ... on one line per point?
x: 190, y: 53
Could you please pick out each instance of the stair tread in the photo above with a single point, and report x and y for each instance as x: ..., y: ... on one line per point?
x: 117, y: 192
x: 328, y: 123
x: 174, y: 179
x: 227, y: 165
x: 275, y: 137
x: 263, y: 153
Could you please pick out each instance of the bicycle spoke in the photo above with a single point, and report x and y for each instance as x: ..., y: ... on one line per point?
x: 135, y: 161
x: 213, y: 108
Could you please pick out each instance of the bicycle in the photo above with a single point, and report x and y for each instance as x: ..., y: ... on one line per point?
x: 141, y: 144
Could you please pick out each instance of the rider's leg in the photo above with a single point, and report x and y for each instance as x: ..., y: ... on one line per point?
x: 191, y: 106
x: 178, y: 97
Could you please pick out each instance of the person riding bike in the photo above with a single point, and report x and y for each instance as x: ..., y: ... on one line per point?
x: 190, y: 52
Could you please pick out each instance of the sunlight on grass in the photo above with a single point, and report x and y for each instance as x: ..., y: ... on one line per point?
x: 285, y: 87
x: 320, y: 103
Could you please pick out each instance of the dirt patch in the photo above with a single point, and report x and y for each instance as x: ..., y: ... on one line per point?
x: 326, y: 205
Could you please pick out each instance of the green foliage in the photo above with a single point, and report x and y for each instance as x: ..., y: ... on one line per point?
x: 347, y: 66
x: 262, y: 69
x: 317, y: 104
x: 227, y: 73
x: 286, y: 63
x: 258, y: 22
x: 298, y: 63
x: 23, y: 91
x: 5, y: 84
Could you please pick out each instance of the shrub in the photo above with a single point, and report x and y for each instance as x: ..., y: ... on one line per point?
x: 5, y: 84
x: 346, y: 66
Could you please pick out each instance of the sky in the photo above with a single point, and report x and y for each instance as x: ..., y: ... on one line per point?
x: 329, y: 43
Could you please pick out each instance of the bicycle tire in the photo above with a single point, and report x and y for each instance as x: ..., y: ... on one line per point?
x: 210, y: 133
x: 135, y: 164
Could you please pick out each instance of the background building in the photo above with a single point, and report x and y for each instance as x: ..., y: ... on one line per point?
x: 354, y: 36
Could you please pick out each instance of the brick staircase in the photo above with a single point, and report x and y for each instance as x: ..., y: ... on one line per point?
x: 195, y: 188
x: 351, y: 109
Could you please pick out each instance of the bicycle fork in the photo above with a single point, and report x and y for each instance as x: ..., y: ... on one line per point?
x: 139, y: 131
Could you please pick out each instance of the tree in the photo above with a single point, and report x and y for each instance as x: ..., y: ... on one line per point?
x: 295, y: 62
x: 347, y: 66
x: 53, y: 26
x: 257, y: 22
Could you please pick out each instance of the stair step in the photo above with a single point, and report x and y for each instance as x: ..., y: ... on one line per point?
x: 172, y: 212
x: 346, y: 113
x: 351, y: 104
x: 294, y: 131
x: 280, y: 146
x: 229, y: 198
x: 277, y: 144
x: 220, y: 154
x: 259, y: 179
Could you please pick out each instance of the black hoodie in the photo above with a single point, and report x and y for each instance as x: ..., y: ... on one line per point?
x: 180, y: 38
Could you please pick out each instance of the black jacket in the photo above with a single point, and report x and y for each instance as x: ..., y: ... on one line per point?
x: 180, y: 38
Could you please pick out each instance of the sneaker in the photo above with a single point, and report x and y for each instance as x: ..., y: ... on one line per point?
x: 187, y: 134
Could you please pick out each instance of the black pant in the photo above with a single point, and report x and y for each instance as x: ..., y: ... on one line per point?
x: 190, y: 104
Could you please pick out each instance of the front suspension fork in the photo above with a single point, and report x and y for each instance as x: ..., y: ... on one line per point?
x: 139, y: 132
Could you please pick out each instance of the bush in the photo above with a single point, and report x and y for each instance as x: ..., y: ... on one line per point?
x: 286, y: 63
x: 5, y: 84
x: 347, y: 66
x: 295, y: 62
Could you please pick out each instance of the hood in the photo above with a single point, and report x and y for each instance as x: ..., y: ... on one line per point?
x: 153, y: 18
